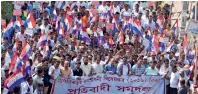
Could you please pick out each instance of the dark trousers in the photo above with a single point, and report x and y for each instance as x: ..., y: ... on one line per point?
x: 168, y: 89
x: 173, y: 91
x: 50, y: 88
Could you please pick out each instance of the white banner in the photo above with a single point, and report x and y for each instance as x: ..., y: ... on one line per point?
x: 110, y: 84
x: 193, y: 27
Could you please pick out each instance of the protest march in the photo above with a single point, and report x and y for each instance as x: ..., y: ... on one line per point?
x: 97, y: 47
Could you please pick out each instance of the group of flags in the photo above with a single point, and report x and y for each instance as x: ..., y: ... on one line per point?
x: 19, y: 65
x: 19, y: 62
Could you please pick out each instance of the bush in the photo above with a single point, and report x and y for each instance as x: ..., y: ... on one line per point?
x: 6, y: 9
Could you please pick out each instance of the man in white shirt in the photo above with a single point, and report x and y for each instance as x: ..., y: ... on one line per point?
x: 38, y: 78
x: 21, y: 35
x: 136, y: 11
x: 124, y: 68
x: 46, y: 27
x: 174, y: 80
x: 149, y: 24
x: 86, y: 67
x: 54, y: 71
x: 97, y: 67
x: 26, y: 87
x: 145, y: 16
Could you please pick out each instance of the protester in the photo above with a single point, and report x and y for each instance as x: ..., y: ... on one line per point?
x: 183, y: 88
x: 174, y: 80
x: 27, y: 87
x: 77, y: 71
x: 79, y: 39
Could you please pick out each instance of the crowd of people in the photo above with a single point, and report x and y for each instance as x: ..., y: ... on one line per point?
x: 78, y: 43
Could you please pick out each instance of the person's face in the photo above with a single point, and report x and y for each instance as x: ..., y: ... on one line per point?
x: 66, y: 65
x: 174, y: 70
x: 98, y: 60
x: 30, y: 82
x: 86, y: 61
x: 136, y: 7
x: 5, y: 41
x: 124, y: 59
x: 182, y: 74
x: 145, y: 60
x: 57, y: 64
x: 87, y: 13
x: 150, y: 18
x: 41, y: 88
x: 22, y: 30
x: 46, y: 21
x: 78, y: 65
x: 40, y: 75
x: 166, y: 63
x: 108, y: 3
x: 153, y: 65
x: 140, y: 62
x: 147, y: 12
x: 34, y: 11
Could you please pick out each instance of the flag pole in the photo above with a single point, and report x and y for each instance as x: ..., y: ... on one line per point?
x: 195, y: 70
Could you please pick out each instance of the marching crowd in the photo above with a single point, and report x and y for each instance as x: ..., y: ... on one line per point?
x: 71, y: 39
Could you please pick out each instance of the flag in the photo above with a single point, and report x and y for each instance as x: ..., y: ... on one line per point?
x: 168, y: 49
x: 185, y: 43
x: 54, y: 15
x: 18, y: 22
x: 121, y: 37
x: 26, y: 70
x: 61, y: 32
x: 102, y: 38
x: 137, y: 28
x: 155, y: 44
x: 13, y: 61
x: 96, y: 39
x: 46, y: 52
x: 9, y: 30
x: 115, y: 25
x: 191, y: 55
x: 66, y: 25
x: 25, y: 54
x: 42, y: 41
x: 175, y: 27
x: 150, y: 34
x: 14, y: 49
x: 14, y: 80
x: 162, y: 44
x: 60, y: 4
x: 111, y: 41
x: 76, y: 28
x: 30, y: 21
x: 159, y: 25
x: 84, y: 35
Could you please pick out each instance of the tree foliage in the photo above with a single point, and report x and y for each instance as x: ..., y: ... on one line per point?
x: 6, y: 9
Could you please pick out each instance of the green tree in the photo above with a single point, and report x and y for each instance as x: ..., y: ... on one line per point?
x: 6, y: 9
